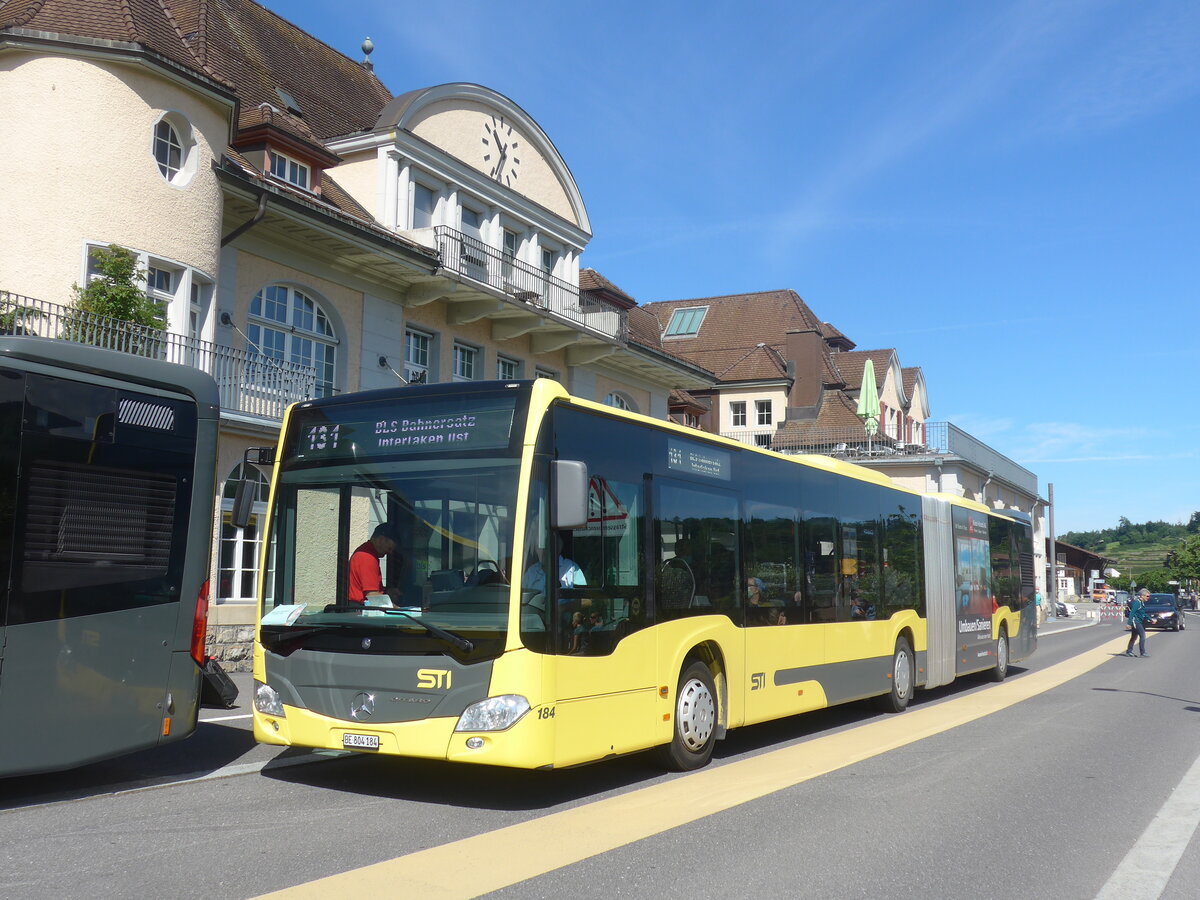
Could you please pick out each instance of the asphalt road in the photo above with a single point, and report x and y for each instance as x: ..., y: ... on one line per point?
x: 1074, y: 779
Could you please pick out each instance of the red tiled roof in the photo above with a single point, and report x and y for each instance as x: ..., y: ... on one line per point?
x: 149, y: 24
x: 742, y: 336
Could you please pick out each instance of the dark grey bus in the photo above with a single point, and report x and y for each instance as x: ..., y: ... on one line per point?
x: 107, y: 466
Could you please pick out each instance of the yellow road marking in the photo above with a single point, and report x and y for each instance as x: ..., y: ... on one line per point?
x: 496, y: 859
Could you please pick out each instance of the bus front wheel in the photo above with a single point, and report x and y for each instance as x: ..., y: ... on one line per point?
x: 903, y: 679
x: 695, y: 726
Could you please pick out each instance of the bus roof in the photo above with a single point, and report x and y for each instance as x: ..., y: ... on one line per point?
x: 97, y: 361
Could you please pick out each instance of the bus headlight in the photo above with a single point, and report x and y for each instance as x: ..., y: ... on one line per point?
x: 493, y: 714
x: 267, y: 700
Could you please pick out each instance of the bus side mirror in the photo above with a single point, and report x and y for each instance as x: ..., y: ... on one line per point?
x: 243, y: 503
x: 570, y: 494
x: 247, y: 488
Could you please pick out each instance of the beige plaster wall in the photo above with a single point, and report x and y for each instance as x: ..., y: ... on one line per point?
x: 433, y: 318
x: 358, y: 175
x: 457, y: 126
x: 344, y: 305
x: 777, y: 396
x: 77, y: 144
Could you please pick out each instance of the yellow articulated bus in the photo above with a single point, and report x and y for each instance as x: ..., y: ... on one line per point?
x: 501, y: 573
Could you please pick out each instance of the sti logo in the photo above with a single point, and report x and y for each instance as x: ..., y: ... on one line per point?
x: 432, y: 679
x: 758, y: 681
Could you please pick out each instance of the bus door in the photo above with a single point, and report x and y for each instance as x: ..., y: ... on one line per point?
x: 606, y: 658
x: 973, y: 600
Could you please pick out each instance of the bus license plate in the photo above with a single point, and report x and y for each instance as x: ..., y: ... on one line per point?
x: 360, y: 741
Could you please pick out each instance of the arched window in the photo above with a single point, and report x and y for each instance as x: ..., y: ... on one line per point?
x: 287, y: 324
x: 238, y: 554
x: 620, y: 401
x: 174, y: 148
x: 168, y: 150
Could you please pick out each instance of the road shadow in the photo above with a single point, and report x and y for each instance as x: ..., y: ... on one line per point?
x: 488, y: 788
x: 212, y: 746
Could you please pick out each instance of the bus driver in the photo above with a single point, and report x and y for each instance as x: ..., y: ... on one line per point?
x: 366, y: 578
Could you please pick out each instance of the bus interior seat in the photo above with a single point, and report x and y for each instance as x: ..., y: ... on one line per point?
x: 446, y: 579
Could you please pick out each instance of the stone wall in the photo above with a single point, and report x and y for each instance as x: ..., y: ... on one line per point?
x: 232, y: 645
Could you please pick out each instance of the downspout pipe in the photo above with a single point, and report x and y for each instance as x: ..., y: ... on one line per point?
x: 246, y: 226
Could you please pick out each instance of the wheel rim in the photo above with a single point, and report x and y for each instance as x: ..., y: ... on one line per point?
x: 696, y: 714
x: 902, y: 674
x: 1002, y: 655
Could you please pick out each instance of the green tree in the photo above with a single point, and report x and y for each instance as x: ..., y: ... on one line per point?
x: 1193, y: 525
x: 113, y: 310
x: 1185, y: 561
x: 1155, y: 580
x: 116, y: 291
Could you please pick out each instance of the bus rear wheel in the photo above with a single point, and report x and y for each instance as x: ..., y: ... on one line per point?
x: 903, y: 679
x: 1000, y: 671
x: 695, y: 721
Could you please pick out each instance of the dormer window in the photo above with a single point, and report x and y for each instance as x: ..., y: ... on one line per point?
x: 286, y: 169
x: 686, y: 322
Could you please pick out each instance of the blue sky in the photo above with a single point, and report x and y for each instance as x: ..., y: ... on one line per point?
x: 1004, y: 192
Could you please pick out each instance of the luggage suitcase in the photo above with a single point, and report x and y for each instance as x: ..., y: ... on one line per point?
x: 217, y: 690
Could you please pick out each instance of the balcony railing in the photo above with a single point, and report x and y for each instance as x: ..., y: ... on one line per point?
x: 941, y: 439
x: 473, y: 258
x: 848, y: 443
x: 249, y: 382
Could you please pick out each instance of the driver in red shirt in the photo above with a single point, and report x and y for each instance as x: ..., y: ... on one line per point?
x: 366, y: 578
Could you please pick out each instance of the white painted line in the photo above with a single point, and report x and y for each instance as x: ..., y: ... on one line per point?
x: 228, y: 718
x: 1146, y: 869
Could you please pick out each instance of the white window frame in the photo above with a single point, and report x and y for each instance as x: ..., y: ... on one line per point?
x: 507, y: 361
x: 763, y: 412
x: 293, y: 172
x: 540, y: 372
x: 466, y: 360
x: 418, y: 367
x: 737, y: 410
x: 174, y: 153
x: 243, y: 551
x: 290, y: 338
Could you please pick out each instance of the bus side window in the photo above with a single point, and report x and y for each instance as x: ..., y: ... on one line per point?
x: 772, y: 576
x: 697, y: 536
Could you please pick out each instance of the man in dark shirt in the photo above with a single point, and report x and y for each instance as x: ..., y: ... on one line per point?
x: 366, y: 578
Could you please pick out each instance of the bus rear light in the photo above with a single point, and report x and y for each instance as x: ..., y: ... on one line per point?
x: 200, y: 625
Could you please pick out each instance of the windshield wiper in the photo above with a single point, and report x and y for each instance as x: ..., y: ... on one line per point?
x: 449, y: 637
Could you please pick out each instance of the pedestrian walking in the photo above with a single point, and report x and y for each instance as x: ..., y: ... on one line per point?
x: 1137, y: 626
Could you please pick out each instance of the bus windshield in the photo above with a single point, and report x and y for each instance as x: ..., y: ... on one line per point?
x: 444, y: 570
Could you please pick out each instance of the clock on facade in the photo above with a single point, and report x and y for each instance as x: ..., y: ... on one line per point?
x: 500, y: 150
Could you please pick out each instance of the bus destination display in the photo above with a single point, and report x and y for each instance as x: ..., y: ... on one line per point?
x: 698, y: 459
x: 372, y: 431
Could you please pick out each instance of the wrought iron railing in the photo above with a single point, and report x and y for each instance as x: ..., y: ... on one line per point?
x: 488, y: 265
x: 249, y: 382
x: 940, y: 439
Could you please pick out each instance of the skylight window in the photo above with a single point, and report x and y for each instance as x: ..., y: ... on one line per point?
x: 289, y: 102
x: 686, y: 322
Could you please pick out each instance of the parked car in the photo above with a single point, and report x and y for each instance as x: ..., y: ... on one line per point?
x: 1064, y: 609
x: 1162, y: 611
